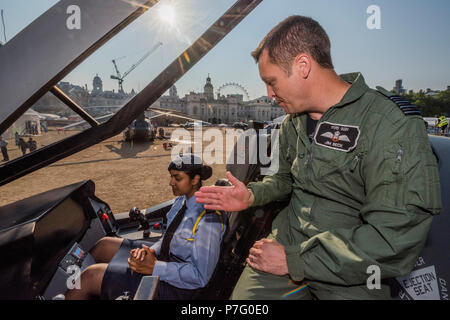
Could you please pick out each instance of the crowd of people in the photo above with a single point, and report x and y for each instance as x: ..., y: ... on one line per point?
x: 30, y: 145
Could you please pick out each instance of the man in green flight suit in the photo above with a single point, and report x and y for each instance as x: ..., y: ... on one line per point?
x: 358, y: 168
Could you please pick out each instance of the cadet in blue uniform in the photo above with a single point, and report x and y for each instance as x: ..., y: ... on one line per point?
x: 184, y: 259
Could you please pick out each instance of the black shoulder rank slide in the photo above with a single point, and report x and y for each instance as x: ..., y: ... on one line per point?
x: 404, y: 105
x: 407, y: 108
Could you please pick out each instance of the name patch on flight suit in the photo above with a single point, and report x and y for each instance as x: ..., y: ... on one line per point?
x: 337, y: 136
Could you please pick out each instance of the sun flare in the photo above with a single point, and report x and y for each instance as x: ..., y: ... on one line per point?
x: 167, y: 14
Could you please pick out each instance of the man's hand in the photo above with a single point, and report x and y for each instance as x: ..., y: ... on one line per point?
x: 268, y: 255
x: 234, y: 198
x: 142, y: 260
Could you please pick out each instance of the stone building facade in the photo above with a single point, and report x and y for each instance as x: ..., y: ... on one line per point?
x: 96, y: 98
x: 221, y: 109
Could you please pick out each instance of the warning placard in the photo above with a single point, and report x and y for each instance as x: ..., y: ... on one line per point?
x: 421, y: 284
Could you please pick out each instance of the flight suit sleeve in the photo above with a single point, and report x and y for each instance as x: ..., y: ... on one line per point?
x: 279, y: 185
x: 402, y: 194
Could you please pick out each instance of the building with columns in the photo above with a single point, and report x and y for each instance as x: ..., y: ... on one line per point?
x: 221, y: 109
x: 97, y: 98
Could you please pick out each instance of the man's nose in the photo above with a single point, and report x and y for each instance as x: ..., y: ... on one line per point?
x: 270, y: 93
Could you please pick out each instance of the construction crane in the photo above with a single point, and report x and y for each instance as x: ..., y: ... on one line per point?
x: 120, y: 77
x: 3, y: 23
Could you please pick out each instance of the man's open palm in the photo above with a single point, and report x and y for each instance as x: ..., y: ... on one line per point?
x: 234, y: 198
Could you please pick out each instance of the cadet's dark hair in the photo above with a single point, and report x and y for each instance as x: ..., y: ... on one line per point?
x: 292, y: 36
x: 205, y: 172
x: 191, y: 165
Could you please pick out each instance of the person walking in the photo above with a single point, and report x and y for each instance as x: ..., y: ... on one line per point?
x: 3, y: 145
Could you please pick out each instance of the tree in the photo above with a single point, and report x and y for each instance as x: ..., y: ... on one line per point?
x: 430, y: 106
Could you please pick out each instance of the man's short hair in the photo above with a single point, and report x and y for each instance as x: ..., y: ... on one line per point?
x: 292, y: 36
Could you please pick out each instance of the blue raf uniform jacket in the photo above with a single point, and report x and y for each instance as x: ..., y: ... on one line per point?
x: 194, y: 251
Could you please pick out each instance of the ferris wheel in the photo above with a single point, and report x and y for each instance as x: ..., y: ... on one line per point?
x: 235, y: 86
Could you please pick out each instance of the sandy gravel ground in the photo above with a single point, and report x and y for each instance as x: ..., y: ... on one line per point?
x: 125, y: 174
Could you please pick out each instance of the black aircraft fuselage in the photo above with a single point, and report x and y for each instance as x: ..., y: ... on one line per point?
x: 140, y: 129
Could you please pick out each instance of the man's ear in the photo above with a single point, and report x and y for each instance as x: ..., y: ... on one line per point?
x: 302, y: 65
x: 196, y: 180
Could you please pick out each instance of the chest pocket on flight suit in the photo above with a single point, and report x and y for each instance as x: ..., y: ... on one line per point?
x: 294, y: 155
x: 339, y: 171
x: 338, y: 181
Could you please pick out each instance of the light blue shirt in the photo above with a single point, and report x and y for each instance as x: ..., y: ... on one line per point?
x: 198, y: 258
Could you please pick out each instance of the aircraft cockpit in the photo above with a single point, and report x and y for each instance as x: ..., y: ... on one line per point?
x: 47, y: 238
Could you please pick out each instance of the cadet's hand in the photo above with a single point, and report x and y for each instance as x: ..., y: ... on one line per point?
x: 142, y: 260
x: 138, y: 254
x: 268, y: 255
x: 234, y: 198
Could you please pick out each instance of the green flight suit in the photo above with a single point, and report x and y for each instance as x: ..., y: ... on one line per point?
x: 367, y: 200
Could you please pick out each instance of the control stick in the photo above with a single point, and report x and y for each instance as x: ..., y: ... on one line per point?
x: 137, y: 215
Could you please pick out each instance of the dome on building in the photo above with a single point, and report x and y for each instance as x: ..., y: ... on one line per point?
x: 173, y: 91
x: 97, y: 84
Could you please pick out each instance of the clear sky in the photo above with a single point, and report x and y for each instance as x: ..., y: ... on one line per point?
x: 413, y: 42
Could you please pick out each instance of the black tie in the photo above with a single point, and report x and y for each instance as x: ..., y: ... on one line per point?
x: 165, y: 246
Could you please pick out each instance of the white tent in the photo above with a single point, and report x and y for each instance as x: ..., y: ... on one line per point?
x: 28, y: 123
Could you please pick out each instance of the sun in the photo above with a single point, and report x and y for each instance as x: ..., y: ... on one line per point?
x: 167, y: 14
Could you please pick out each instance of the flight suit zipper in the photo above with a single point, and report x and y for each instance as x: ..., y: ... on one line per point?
x: 398, y: 160
x: 309, y: 151
x: 308, y: 167
x: 355, y: 161
x: 396, y: 169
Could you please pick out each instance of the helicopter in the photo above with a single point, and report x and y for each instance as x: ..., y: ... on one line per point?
x: 54, y: 230
x: 140, y: 129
